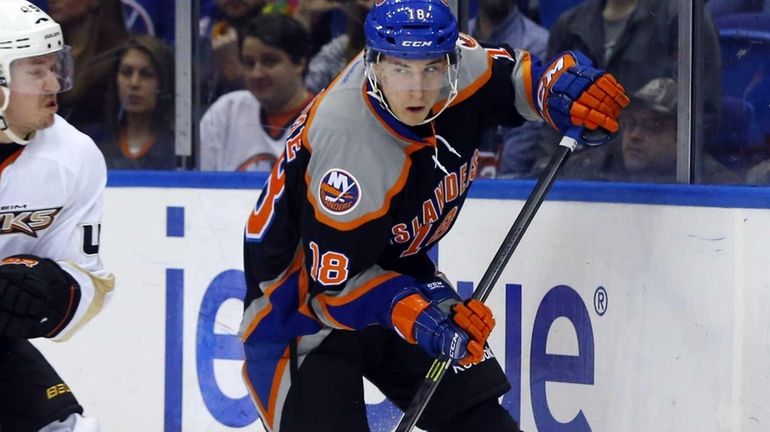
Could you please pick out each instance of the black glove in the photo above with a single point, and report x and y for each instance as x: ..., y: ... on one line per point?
x: 37, y: 297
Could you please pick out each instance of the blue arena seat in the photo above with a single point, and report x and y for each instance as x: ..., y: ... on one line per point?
x: 723, y: 7
x: 745, y: 44
x: 152, y: 17
x: 550, y: 10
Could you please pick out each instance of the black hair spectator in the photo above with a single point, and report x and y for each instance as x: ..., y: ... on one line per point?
x: 281, y: 32
x: 246, y: 130
x: 221, y: 35
x: 137, y: 132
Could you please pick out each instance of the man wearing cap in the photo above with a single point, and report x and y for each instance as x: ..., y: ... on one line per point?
x: 649, y: 129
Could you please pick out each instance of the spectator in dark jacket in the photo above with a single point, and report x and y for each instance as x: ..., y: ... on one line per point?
x: 647, y: 150
x: 637, y: 41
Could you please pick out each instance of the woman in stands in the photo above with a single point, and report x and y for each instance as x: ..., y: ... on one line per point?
x: 137, y: 132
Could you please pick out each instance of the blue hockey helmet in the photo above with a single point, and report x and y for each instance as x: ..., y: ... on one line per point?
x: 411, y: 29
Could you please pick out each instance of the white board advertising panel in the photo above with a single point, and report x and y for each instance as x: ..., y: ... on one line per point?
x: 611, y: 316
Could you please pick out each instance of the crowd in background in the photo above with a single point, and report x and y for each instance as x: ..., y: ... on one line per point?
x: 262, y: 61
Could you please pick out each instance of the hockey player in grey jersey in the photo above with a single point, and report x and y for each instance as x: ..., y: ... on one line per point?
x: 374, y: 173
x: 52, y: 177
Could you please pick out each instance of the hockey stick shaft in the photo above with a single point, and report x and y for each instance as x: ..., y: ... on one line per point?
x: 512, y: 239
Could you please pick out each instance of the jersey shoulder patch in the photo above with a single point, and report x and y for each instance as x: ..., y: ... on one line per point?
x: 339, y: 192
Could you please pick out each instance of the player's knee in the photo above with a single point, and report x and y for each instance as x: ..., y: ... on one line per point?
x: 487, y: 416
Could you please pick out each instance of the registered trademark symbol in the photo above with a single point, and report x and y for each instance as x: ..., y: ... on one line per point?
x: 600, y: 300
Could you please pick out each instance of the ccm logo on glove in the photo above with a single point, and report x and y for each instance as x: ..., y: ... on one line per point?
x: 434, y: 317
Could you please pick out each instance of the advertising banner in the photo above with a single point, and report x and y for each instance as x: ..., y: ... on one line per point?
x: 613, y: 315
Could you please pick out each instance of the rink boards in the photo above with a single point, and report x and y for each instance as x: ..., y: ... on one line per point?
x: 624, y: 308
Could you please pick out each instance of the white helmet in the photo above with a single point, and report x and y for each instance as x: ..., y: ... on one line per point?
x: 28, y: 32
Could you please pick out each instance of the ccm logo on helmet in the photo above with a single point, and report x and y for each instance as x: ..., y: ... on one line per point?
x: 417, y: 44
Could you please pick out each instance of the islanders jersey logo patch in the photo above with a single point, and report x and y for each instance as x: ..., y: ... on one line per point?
x: 339, y: 192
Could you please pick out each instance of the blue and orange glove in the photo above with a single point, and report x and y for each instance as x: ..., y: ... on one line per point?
x: 572, y: 95
x: 434, y: 317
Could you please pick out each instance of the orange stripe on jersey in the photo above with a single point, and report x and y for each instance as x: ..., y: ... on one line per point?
x: 310, y: 116
x: 260, y: 217
x: 279, y: 371
x: 316, y: 104
x: 254, y: 396
x: 304, y: 307
x: 268, y: 415
x: 358, y: 292
x: 15, y: 155
x: 526, y: 60
x: 295, y: 265
x: 325, y: 301
x: 468, y: 91
x: 329, y: 318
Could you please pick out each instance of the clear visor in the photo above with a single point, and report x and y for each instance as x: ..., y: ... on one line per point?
x: 400, y: 74
x: 46, y: 74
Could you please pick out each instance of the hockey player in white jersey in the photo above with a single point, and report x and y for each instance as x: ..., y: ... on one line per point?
x: 51, y: 181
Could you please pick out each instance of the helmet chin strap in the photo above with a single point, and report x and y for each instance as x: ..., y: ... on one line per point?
x: 5, y: 128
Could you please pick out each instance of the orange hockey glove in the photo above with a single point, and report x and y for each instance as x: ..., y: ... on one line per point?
x: 572, y: 94
x: 434, y: 317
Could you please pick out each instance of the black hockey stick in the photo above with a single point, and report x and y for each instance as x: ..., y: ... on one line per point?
x: 527, y: 213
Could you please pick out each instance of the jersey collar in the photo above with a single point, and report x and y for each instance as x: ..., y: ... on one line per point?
x: 422, y: 134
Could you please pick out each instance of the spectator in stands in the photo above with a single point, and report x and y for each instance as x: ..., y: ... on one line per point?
x: 93, y: 28
x: 245, y: 130
x: 759, y: 174
x: 221, y: 34
x: 635, y: 40
x: 317, y: 16
x: 333, y: 56
x: 138, y: 129
x: 510, y: 152
x: 648, y: 145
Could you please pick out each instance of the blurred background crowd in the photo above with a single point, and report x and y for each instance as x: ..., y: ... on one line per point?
x: 261, y: 61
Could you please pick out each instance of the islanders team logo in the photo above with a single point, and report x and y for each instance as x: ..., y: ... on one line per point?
x: 339, y: 192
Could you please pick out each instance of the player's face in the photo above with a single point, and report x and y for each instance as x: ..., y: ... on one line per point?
x: 41, y: 75
x: 411, y: 87
x: 238, y: 8
x: 270, y: 74
x: 649, y: 141
x: 66, y: 11
x: 27, y: 113
x: 138, y: 82
x: 35, y: 82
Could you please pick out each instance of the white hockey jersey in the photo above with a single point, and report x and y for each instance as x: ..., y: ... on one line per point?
x: 51, y: 206
x: 233, y: 137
